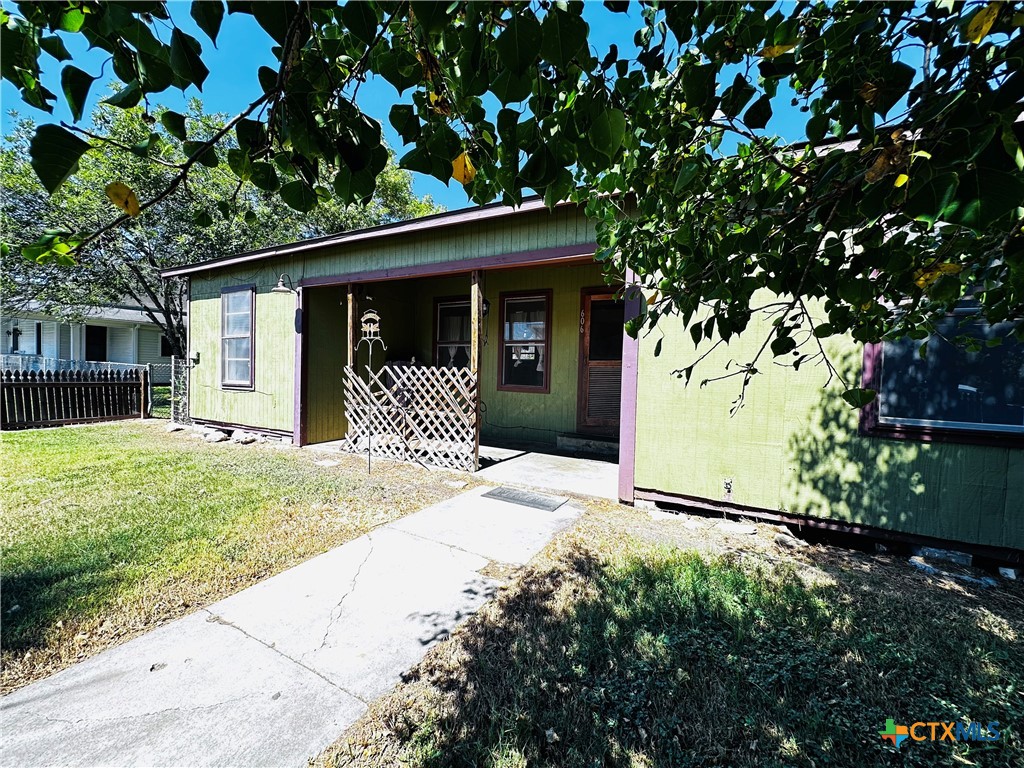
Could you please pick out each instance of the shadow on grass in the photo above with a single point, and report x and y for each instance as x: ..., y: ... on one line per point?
x: 663, y: 658
x: 34, y: 598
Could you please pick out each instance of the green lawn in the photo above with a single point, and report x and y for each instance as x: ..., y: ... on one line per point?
x: 628, y: 647
x: 110, y: 530
x: 161, y: 402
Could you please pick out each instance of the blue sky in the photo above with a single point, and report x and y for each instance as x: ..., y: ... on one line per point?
x: 242, y: 47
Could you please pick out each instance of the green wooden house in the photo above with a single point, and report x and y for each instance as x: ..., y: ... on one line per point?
x: 514, y: 298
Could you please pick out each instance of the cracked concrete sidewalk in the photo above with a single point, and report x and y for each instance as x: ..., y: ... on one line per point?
x: 273, y: 675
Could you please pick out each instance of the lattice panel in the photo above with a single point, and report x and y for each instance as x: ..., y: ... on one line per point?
x: 414, y: 413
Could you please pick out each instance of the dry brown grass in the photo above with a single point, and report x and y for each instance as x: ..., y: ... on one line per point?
x: 635, y: 641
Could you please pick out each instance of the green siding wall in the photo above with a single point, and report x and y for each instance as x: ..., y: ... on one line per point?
x: 526, y: 416
x: 270, y: 406
x: 406, y: 308
x: 795, y: 447
x: 326, y: 321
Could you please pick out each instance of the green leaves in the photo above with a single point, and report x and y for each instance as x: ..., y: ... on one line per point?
x: 127, y: 97
x: 208, y: 15
x: 264, y: 176
x: 519, y: 44
x: 403, y: 118
x: 759, y: 114
x: 687, y: 173
x: 736, y: 96
x: 55, y: 152
x: 360, y: 20
x: 186, y: 59
x: 204, y: 155
x: 75, y: 83
x: 983, y: 197
x: 699, y: 87
x: 858, y: 397
x: 607, y: 131
x: 174, y: 123
x: 563, y: 36
x: 54, y: 46
x: 299, y: 196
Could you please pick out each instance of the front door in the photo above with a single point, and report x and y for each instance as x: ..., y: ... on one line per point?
x: 96, y: 342
x: 600, y: 379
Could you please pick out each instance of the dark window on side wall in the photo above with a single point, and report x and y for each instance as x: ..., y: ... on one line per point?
x: 454, y: 337
x: 525, y: 354
x: 951, y: 389
x: 236, y: 337
x: 165, y: 347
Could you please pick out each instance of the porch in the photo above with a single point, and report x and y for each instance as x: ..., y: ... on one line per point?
x: 538, y: 348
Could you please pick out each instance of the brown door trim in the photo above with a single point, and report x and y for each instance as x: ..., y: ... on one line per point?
x: 583, y: 423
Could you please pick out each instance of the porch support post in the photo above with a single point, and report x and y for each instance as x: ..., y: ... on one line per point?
x: 476, y: 317
x: 630, y: 384
x: 350, y: 308
x: 299, y: 373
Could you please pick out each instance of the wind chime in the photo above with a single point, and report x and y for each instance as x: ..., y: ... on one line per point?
x: 370, y: 329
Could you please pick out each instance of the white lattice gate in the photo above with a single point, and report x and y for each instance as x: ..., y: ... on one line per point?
x: 414, y: 413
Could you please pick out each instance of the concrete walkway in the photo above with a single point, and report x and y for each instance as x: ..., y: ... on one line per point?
x: 560, y: 474
x: 274, y: 674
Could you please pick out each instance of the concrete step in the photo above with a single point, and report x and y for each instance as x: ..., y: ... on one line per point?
x: 600, y: 445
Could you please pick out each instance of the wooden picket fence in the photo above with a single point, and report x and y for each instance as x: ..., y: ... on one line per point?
x: 51, y: 398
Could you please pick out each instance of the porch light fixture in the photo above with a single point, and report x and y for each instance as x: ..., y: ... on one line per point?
x: 281, y: 287
x: 487, y: 307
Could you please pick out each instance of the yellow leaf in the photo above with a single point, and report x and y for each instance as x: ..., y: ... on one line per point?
x: 124, y: 198
x: 982, y: 22
x: 925, y: 277
x: 463, y: 170
x: 771, y: 51
x: 868, y: 92
x: 867, y: 305
x: 901, y: 180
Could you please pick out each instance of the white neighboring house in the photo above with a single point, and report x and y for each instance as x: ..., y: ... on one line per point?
x: 115, y: 334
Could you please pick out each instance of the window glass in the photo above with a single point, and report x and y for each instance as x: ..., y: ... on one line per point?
x: 236, y: 338
x: 952, y: 387
x: 525, y: 318
x: 453, y: 334
x: 524, y: 343
x: 606, y: 327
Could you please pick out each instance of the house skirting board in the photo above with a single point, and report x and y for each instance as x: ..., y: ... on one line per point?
x: 231, y: 426
x: 868, y: 532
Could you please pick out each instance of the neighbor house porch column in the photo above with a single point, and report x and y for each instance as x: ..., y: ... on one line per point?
x: 135, y: 344
x: 76, y: 341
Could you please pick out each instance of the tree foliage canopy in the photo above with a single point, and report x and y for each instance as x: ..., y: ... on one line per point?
x: 904, y: 196
x: 213, y: 215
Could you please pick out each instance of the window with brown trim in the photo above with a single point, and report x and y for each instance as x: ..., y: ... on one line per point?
x: 452, y: 333
x: 524, y: 355
x: 238, y: 305
x: 972, y: 393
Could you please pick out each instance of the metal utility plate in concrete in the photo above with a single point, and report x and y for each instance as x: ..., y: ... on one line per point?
x: 526, y: 498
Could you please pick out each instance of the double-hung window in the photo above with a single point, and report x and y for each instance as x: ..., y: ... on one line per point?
x: 524, y: 360
x: 453, y: 336
x: 236, y: 337
x: 952, y: 391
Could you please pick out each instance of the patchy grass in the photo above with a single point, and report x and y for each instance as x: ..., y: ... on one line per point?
x: 635, y: 642
x: 161, y: 395
x: 111, y: 530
